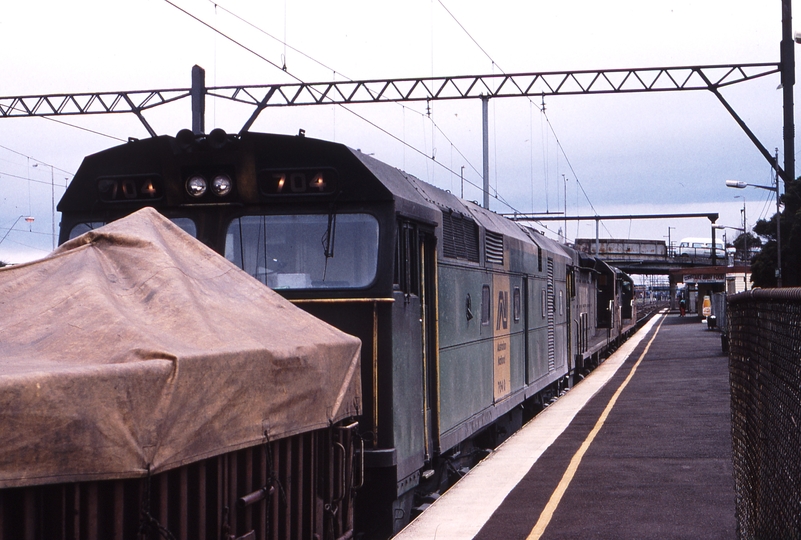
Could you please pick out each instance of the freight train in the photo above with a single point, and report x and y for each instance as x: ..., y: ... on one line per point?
x: 469, y: 322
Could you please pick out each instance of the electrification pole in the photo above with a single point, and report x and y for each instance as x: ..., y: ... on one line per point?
x: 485, y: 134
x: 787, y: 65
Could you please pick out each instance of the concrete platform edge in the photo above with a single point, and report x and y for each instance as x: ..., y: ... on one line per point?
x: 459, y: 514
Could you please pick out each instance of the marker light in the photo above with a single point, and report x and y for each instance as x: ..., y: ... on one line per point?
x: 221, y: 185
x: 196, y: 186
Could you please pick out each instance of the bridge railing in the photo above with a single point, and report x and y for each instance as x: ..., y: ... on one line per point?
x: 765, y: 377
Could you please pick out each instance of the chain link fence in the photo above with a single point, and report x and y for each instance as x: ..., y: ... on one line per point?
x: 764, y: 334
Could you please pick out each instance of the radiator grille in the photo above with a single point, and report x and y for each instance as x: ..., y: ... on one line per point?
x: 493, y: 247
x: 459, y: 237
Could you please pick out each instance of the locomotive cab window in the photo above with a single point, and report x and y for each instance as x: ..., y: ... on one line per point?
x: 81, y: 228
x: 186, y: 224
x: 316, y: 251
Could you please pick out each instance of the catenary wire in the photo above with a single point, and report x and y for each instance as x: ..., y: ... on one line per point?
x: 335, y: 72
x: 34, y: 159
x: 223, y: 34
x: 281, y: 41
x: 542, y: 109
x: 6, y: 174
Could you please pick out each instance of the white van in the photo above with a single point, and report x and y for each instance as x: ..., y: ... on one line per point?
x: 701, y: 247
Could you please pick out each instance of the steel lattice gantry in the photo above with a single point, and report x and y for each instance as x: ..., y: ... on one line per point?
x: 610, y: 81
x: 535, y: 84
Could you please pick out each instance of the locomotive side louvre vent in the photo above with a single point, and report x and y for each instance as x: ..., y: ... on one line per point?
x: 493, y: 247
x: 459, y: 237
x: 551, y: 319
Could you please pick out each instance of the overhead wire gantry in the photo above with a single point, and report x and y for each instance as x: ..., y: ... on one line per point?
x: 534, y: 84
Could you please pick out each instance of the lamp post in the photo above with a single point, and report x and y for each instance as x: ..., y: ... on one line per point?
x: 746, y: 253
x: 565, y: 182
x: 670, y: 244
x: 714, y: 247
x: 739, y: 184
x: 745, y: 240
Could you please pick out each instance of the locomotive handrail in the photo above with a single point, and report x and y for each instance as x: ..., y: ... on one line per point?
x: 360, y: 484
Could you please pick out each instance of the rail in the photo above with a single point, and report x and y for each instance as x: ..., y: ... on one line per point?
x: 765, y: 377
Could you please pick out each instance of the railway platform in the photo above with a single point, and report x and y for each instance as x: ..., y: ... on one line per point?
x: 640, y: 449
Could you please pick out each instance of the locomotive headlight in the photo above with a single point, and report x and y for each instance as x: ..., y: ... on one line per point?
x: 221, y: 185
x: 196, y: 186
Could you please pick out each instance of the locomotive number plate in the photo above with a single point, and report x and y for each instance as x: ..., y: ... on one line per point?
x: 297, y: 181
x: 130, y: 188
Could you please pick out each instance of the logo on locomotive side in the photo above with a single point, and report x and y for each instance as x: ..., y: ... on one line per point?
x: 503, y: 310
x: 502, y: 342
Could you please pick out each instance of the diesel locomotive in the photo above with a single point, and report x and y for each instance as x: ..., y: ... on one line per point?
x: 469, y: 322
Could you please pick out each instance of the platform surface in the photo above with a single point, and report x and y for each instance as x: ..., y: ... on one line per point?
x: 640, y: 449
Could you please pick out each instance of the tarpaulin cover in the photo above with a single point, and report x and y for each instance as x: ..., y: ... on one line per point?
x: 135, y: 346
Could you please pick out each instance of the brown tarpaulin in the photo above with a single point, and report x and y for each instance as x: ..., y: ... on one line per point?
x: 135, y: 345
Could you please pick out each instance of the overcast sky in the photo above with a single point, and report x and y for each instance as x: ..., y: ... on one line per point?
x: 643, y: 153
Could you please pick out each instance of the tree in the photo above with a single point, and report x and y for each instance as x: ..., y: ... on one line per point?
x: 743, y: 242
x: 763, y: 267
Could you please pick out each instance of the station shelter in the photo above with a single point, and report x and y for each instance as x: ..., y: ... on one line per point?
x: 700, y: 282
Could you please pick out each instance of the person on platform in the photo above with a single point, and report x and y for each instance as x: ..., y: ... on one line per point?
x: 682, y: 308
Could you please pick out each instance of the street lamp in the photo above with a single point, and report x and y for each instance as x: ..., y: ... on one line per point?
x: 739, y: 184
x: 29, y: 219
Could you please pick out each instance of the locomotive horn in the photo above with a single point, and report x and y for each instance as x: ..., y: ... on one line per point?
x: 218, y: 138
x: 185, y: 139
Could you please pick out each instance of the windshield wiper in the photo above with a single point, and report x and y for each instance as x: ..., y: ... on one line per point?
x: 329, y: 237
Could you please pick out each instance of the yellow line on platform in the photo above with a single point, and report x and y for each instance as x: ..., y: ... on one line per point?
x: 556, y: 496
